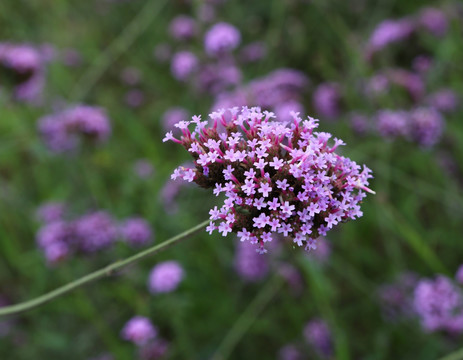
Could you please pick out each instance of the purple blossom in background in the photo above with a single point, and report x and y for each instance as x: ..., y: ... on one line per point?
x: 54, y: 239
x: 290, y: 352
x: 273, y: 175
x: 323, y: 251
x: 135, y: 98
x: 23, y: 66
x: 396, y: 299
x: 165, y: 277
x: 172, y: 116
x: 318, y: 336
x: 50, y: 212
x: 389, y: 32
x: 215, y: 78
x: 377, y: 85
x: 249, y: 264
x: 139, y: 330
x: 326, y: 98
x: 130, y: 76
x: 422, y: 64
x: 253, y: 52
x: 360, y: 123
x: 153, y: 350
x: 433, y: 20
x: 392, y: 123
x: 221, y: 38
x: 183, y: 64
x: 143, y: 168
x: 426, y: 126
x: 459, y: 275
x: 444, y: 100
x: 61, y: 131
x: 409, y: 81
x: 283, y: 110
x: 182, y: 27
x: 95, y: 231
x: 136, y: 231
x: 439, y: 305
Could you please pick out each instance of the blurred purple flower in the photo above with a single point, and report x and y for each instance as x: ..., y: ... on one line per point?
x: 426, y: 126
x: 221, y: 38
x: 326, y: 98
x: 396, y: 299
x: 143, y: 168
x: 445, y: 100
x: 249, y: 264
x: 24, y: 66
x: 215, y: 78
x: 439, y: 305
x: 290, y: 352
x: 409, y: 81
x: 459, y: 275
x: 95, y: 231
x: 165, y: 277
x: 61, y: 130
x: 172, y: 116
x: 360, y: 123
x: 139, y: 330
x: 136, y: 231
x: 54, y: 239
x: 422, y: 63
x: 183, y: 64
x: 433, y: 20
x: 50, y: 212
x: 388, y: 32
x: 318, y: 335
x: 253, y: 52
x: 376, y: 85
x: 182, y: 27
x: 392, y: 123
x: 153, y: 350
x: 283, y: 110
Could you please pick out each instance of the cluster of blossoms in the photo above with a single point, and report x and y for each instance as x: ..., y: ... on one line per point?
x: 392, y: 31
x: 278, y: 177
x: 59, y: 238
x: 23, y: 66
x: 165, y: 277
x: 61, y: 131
x: 140, y: 331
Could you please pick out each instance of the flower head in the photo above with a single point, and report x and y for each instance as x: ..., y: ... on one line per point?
x: 136, y: 231
x: 165, y: 277
x: 277, y: 177
x: 318, y: 335
x: 139, y: 330
x: 221, y: 38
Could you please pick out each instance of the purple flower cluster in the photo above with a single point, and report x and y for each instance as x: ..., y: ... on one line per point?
x: 318, y: 335
x: 23, y: 66
x: 326, y: 99
x: 422, y: 125
x: 249, y: 265
x: 165, y: 277
x: 183, y: 27
x: 434, y: 21
x: 221, y: 38
x: 139, y: 330
x: 439, y: 304
x: 136, y: 231
x: 59, y: 238
x: 183, y: 65
x: 278, y: 177
x: 61, y: 131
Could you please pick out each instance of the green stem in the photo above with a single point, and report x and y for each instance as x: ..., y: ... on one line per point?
x: 106, y: 271
x: 247, y: 318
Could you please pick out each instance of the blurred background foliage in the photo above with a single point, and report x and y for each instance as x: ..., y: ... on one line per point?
x: 413, y: 223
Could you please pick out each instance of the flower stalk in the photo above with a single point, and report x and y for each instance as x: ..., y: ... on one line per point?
x: 106, y: 271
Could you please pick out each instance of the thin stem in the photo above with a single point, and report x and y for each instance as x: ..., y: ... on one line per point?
x: 106, y: 271
x: 247, y: 318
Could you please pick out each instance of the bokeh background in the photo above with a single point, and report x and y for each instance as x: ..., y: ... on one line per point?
x: 89, y: 88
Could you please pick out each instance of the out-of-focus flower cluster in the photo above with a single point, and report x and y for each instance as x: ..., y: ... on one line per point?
x: 63, y: 130
x: 60, y: 237
x: 278, y: 177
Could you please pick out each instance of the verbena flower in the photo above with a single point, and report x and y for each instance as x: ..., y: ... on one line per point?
x: 183, y: 64
x: 277, y: 177
x: 248, y: 264
x: 445, y: 100
x: 182, y: 27
x: 221, y: 38
x: 136, y: 231
x: 143, y: 168
x: 165, y: 277
x: 50, y: 212
x: 153, y: 350
x: 290, y: 352
x: 439, y: 304
x: 139, y: 330
x: 61, y: 131
x: 95, y: 231
x: 426, y: 126
x: 433, y: 20
x: 318, y: 335
x: 326, y: 98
